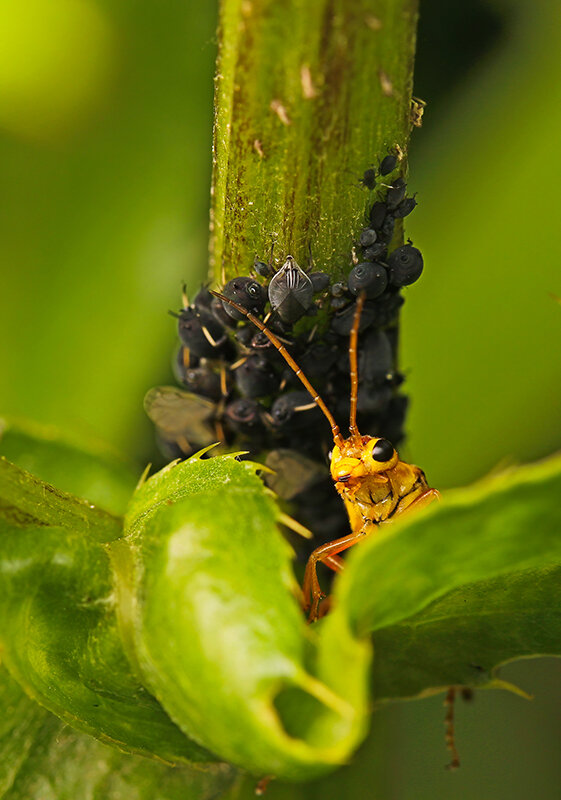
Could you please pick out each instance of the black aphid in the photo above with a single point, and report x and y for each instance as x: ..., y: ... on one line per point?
x: 375, y: 252
x: 294, y: 411
x: 255, y: 376
x: 368, y: 277
x: 342, y: 321
x: 243, y: 415
x: 378, y: 214
x: 405, y: 265
x: 247, y: 293
x: 338, y: 289
x: 386, y: 231
x: 201, y: 333
x: 200, y: 380
x: 388, y: 164
x: 376, y: 359
x: 263, y: 269
x: 367, y: 237
x: 320, y: 281
x: 396, y: 194
x: 369, y: 178
x: 405, y: 207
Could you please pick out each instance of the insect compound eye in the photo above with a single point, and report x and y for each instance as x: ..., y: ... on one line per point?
x: 254, y: 290
x: 245, y: 292
x: 382, y: 451
x: 368, y: 277
x: 388, y: 164
x: 405, y: 265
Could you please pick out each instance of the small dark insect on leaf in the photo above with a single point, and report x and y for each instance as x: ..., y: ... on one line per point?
x: 247, y: 293
x: 387, y: 228
x: 255, y: 377
x: 378, y: 214
x: 396, y: 194
x: 388, y: 164
x: 405, y: 265
x: 369, y: 179
x: 320, y: 281
x: 244, y: 415
x: 368, y: 277
x: 338, y: 289
x: 342, y: 321
x: 263, y: 269
x: 200, y: 332
x: 376, y: 251
x: 367, y: 237
x: 375, y: 359
x: 405, y: 207
x: 293, y: 411
x: 200, y: 380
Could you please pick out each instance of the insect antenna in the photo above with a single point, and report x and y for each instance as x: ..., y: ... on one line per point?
x: 337, y: 438
x: 353, y: 358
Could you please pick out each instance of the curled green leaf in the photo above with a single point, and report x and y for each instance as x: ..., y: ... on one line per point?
x: 59, y: 635
x: 451, y: 593
x: 210, y: 608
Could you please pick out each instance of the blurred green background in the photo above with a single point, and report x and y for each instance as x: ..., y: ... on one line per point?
x: 105, y: 135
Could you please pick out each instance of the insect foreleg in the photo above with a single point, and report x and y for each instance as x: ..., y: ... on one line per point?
x: 326, y: 554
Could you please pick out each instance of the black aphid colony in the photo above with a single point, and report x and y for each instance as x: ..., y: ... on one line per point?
x: 238, y: 390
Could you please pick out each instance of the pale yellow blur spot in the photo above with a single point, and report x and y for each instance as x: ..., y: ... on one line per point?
x: 56, y: 62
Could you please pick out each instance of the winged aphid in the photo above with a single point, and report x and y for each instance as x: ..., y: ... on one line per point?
x: 290, y: 292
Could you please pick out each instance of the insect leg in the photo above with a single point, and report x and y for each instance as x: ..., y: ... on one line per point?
x: 417, y: 503
x: 449, y: 723
x: 324, y: 554
x: 335, y: 563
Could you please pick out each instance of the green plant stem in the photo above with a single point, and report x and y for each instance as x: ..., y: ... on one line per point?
x: 309, y: 93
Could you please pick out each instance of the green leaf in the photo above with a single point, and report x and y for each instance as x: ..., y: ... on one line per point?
x: 456, y: 590
x: 20, y: 724
x: 43, y: 759
x: 89, y: 469
x: 209, y: 603
x: 59, y: 635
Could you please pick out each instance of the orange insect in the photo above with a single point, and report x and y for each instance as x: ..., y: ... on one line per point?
x: 376, y: 486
